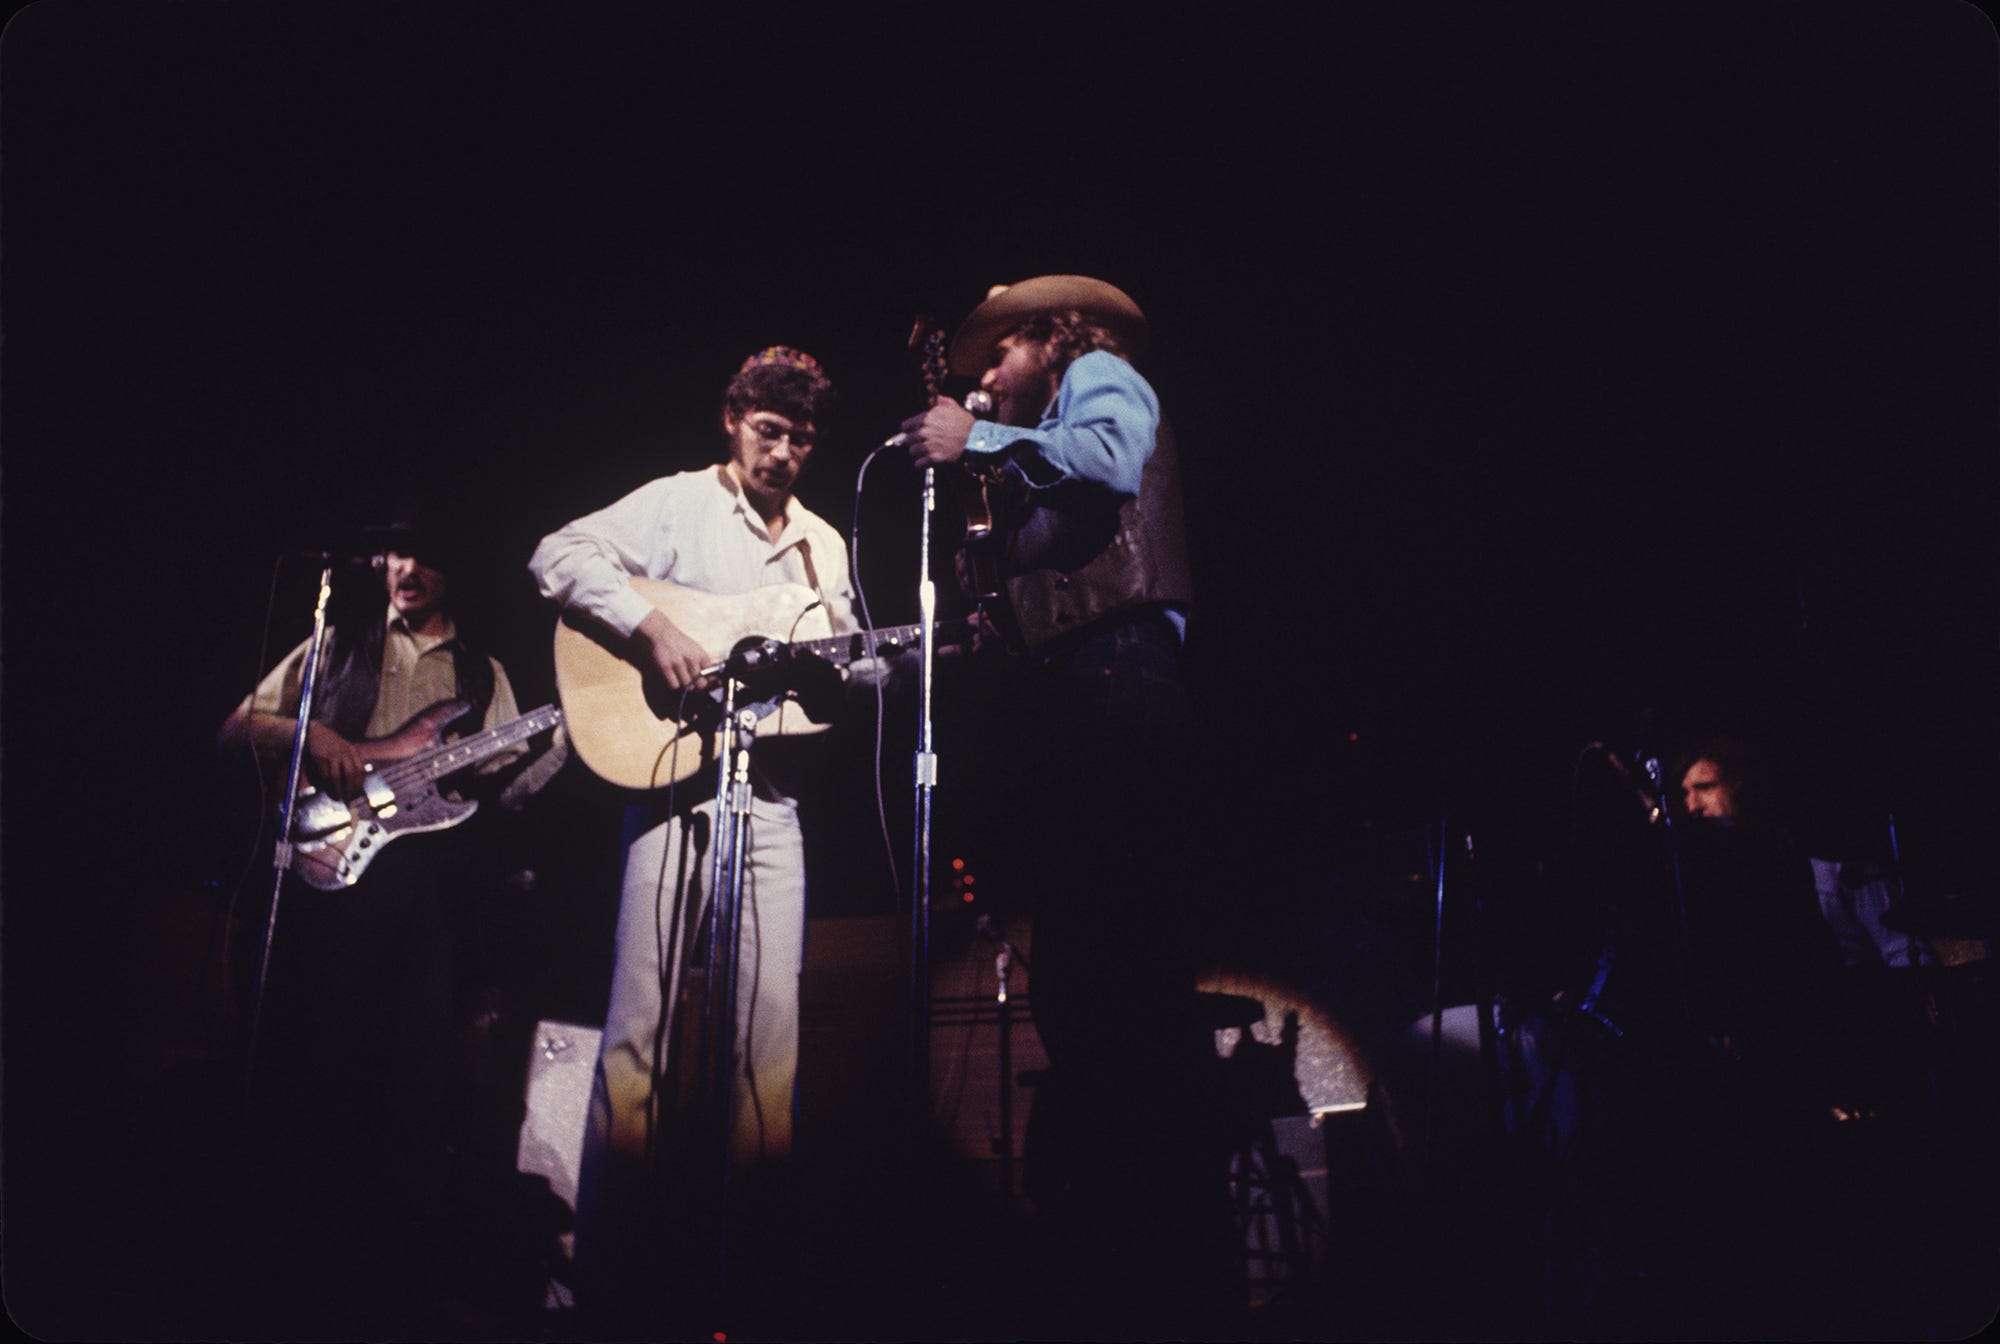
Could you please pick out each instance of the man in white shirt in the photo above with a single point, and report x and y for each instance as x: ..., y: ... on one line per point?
x: 723, y: 530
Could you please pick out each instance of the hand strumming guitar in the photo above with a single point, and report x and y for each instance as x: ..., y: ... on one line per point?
x: 937, y: 436
x: 667, y: 648
x: 332, y: 762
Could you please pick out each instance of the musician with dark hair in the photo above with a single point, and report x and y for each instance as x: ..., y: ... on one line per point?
x: 378, y: 672
x: 730, y: 529
x: 771, y: 381
x: 1094, y: 587
x: 354, y: 1042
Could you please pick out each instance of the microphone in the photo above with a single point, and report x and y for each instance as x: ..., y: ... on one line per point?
x: 753, y: 655
x: 1649, y: 798
x: 342, y: 560
x: 978, y: 401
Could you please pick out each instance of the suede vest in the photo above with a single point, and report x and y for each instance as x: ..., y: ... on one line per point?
x: 1071, y: 555
x: 354, y: 679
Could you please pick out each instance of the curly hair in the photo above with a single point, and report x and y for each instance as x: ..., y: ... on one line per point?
x: 1070, y: 335
x: 796, y: 388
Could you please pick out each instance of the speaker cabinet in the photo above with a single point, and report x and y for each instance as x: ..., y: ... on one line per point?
x: 562, y: 1062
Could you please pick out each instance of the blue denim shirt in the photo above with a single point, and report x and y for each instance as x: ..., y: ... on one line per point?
x: 1100, y: 428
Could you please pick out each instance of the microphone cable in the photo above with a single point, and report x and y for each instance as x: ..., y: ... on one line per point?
x: 881, y: 711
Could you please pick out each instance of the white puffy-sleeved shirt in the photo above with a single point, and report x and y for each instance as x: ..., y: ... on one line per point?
x: 696, y: 529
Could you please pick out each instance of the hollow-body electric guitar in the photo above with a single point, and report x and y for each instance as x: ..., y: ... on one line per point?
x: 333, y: 841
x: 635, y: 733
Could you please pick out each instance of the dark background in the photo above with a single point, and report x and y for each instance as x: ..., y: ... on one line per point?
x: 1543, y: 375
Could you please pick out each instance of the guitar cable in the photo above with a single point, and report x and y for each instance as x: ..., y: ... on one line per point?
x: 948, y: 1093
x: 667, y: 956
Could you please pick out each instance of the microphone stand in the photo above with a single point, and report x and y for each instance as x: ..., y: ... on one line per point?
x: 981, y: 405
x: 1684, y: 934
x: 925, y: 772
x: 725, y: 928
x: 1003, y: 1010
x: 1437, y: 991
x: 281, y: 854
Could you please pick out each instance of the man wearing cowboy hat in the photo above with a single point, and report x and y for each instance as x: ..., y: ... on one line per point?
x: 1089, y: 525
x: 1092, y: 561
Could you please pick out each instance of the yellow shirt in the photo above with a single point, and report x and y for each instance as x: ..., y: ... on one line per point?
x: 417, y: 672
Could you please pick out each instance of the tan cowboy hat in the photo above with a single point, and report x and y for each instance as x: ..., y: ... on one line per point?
x: 1008, y: 306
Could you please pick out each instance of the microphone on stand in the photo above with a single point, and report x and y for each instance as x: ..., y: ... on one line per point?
x: 342, y: 560
x: 1649, y: 797
x: 978, y: 401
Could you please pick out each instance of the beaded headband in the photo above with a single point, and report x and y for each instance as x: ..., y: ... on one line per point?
x: 785, y: 356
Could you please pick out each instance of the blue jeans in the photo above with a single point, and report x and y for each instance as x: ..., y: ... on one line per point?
x: 1137, y: 1180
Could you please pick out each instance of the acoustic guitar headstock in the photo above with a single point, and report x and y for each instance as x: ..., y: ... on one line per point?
x: 927, y: 339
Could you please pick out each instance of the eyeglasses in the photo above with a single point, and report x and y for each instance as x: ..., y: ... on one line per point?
x: 769, y: 432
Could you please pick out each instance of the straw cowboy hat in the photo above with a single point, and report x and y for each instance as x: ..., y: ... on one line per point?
x: 1008, y: 306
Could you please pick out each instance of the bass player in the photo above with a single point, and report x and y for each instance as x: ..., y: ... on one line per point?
x: 355, y: 1034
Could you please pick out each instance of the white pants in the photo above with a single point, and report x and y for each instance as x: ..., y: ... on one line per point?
x: 665, y: 888
x: 667, y: 881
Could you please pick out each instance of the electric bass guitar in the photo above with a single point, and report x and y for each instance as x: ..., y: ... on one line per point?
x: 776, y: 641
x: 333, y: 842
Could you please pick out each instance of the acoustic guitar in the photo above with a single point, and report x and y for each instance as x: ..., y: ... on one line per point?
x: 631, y: 731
